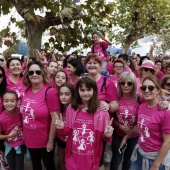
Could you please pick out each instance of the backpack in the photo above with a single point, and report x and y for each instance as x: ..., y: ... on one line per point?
x: 104, y: 83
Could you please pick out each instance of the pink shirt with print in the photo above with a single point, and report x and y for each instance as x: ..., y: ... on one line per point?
x: 8, y: 122
x: 152, y: 124
x: 99, y: 51
x: 127, y: 114
x: 35, y: 109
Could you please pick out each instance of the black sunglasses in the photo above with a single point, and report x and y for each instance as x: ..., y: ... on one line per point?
x: 38, y: 72
x: 150, y: 88
x: 167, y: 84
x: 129, y: 83
x: 1, y: 59
x: 149, y: 69
x: 1, y: 75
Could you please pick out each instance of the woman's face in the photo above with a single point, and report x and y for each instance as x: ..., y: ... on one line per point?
x: 1, y: 77
x: 93, y: 67
x: 60, y: 79
x: 35, y: 74
x: 71, y: 70
x: 60, y: 65
x: 95, y: 38
x: 167, y: 85
x: 15, y: 67
x: 146, y: 72
x: 150, y: 92
x: 52, y: 68
x: 126, y: 86
x: 65, y: 95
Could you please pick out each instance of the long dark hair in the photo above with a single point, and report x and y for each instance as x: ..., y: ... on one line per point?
x: 72, y: 90
x: 4, y: 83
x: 93, y: 103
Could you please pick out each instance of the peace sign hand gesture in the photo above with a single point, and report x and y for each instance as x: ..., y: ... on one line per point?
x: 59, y: 122
x: 108, y: 129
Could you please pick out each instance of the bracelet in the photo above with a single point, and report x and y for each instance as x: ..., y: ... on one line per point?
x: 51, y: 141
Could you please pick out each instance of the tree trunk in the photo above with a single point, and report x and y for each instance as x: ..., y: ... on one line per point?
x: 126, y: 48
x: 34, y: 33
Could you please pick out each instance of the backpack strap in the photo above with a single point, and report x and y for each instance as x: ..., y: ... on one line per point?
x: 46, y: 91
x: 104, y: 83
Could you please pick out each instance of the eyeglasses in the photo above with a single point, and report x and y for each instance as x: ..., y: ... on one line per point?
x: 150, y: 88
x: 149, y: 69
x: 167, y: 84
x: 129, y: 83
x: 1, y: 59
x: 38, y: 72
x: 118, y: 67
x: 1, y: 75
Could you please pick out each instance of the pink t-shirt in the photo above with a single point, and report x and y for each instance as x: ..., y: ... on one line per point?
x: 83, y: 139
x: 152, y: 124
x: 9, y: 122
x: 114, y: 80
x: 127, y: 69
x: 136, y: 72
x: 127, y: 114
x: 35, y: 109
x: 109, y: 92
x: 99, y: 51
x: 71, y: 83
x: 18, y: 87
x: 109, y: 67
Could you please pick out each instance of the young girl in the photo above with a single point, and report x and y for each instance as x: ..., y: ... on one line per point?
x: 86, y: 127
x: 11, y: 126
x: 66, y: 93
x: 59, y: 79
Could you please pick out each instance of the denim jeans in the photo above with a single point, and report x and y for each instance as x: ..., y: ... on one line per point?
x: 117, y: 157
x: 137, y: 165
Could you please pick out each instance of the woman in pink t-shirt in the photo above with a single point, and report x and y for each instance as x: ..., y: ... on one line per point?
x: 11, y: 126
x: 85, y: 136
x: 154, y: 130
x: 125, y: 122
x: 66, y: 93
x: 38, y: 107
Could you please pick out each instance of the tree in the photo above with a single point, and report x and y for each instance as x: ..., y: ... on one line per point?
x: 139, y: 18
x: 66, y: 21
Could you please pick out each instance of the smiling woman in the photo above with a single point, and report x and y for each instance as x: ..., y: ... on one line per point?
x: 38, y: 108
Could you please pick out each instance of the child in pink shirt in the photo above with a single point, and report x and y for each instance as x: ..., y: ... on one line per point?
x: 85, y: 136
x: 11, y: 126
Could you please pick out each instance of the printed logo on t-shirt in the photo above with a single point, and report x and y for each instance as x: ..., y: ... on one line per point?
x: 143, y: 129
x: 83, y: 137
x: 27, y: 113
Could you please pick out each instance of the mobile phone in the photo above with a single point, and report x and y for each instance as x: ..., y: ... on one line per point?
x: 123, y: 148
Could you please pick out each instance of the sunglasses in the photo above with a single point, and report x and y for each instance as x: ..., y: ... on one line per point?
x: 149, y: 69
x: 38, y: 72
x: 150, y: 88
x: 167, y: 84
x: 1, y: 75
x: 129, y: 83
x: 1, y: 59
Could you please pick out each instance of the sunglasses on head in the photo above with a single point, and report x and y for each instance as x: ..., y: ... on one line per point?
x: 149, y: 69
x: 1, y: 59
x: 1, y: 75
x: 167, y: 84
x: 150, y: 88
x: 38, y: 72
x: 129, y: 83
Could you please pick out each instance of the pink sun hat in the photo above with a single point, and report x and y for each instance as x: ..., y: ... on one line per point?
x: 148, y: 64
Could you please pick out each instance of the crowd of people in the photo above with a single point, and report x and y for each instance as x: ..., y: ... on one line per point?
x: 79, y: 103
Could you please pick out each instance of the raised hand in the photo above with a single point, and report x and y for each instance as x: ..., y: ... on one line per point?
x: 59, y: 121
x: 108, y: 129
